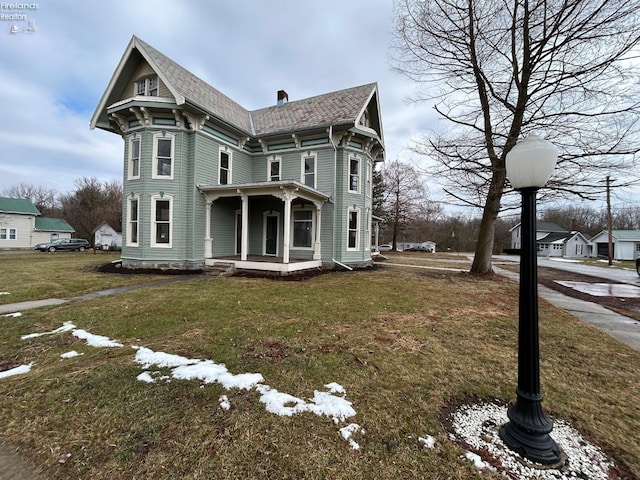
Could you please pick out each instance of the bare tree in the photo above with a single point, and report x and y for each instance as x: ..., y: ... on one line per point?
x: 405, y: 197
x: 44, y: 199
x: 500, y: 69
x: 92, y: 203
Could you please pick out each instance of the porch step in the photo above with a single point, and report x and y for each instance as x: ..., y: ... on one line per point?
x: 220, y: 268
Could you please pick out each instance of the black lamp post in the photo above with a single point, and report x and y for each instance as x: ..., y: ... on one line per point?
x: 529, y: 165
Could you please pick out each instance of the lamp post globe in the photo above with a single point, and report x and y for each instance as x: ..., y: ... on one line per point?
x: 529, y: 165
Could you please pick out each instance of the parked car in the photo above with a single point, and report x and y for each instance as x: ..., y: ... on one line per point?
x: 638, y: 265
x: 385, y: 247
x: 418, y: 248
x: 64, y: 244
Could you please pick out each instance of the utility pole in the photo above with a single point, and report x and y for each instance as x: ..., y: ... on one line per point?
x: 609, y: 222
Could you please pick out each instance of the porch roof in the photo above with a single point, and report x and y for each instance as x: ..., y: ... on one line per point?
x: 264, y: 188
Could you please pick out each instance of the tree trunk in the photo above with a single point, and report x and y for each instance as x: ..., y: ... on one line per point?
x: 484, y: 248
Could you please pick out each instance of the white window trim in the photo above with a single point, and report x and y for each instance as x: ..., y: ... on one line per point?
x: 357, y: 247
x: 145, y: 81
x: 314, y: 155
x: 369, y: 178
x: 7, y: 233
x: 359, y: 160
x: 229, y: 152
x: 163, y: 136
x: 129, y: 243
x: 367, y: 233
x: 313, y: 226
x: 154, y: 199
x: 130, y: 175
x: 273, y: 159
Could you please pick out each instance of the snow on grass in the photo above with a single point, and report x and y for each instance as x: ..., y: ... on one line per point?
x: 224, y: 402
x: 4, y: 293
x: 14, y: 314
x: 70, y: 354
x: 96, y: 340
x: 428, y: 441
x: 16, y: 371
x: 66, y: 326
x: 348, y: 431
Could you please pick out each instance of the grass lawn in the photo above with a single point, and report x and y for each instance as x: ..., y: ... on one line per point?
x: 406, y: 345
x: 38, y: 275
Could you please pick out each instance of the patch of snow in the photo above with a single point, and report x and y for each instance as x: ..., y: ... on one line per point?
x: 477, y: 426
x: 224, y: 402
x: 14, y: 314
x: 428, y: 441
x: 348, y: 431
x: 70, y: 354
x: 66, y: 326
x: 96, y: 340
x: 338, y: 408
x: 334, y: 387
x: 145, y: 377
x: 208, y: 371
x: 4, y: 293
x: 16, y: 371
x: 147, y: 357
x: 478, y: 462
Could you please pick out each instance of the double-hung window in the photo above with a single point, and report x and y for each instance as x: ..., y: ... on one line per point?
x: 309, y: 161
x: 8, y: 234
x: 224, y: 171
x: 353, y: 229
x: 163, y: 155
x: 162, y: 219
x: 134, y: 158
x: 133, y: 211
x: 147, y: 86
x: 303, y: 228
x: 354, y: 175
x: 273, y: 166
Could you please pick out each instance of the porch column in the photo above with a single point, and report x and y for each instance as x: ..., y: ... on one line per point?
x: 244, y: 243
x: 288, y: 197
x: 316, y: 247
x: 208, y: 241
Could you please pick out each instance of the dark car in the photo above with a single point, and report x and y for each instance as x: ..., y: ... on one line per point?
x: 638, y: 265
x: 418, y: 248
x: 64, y: 244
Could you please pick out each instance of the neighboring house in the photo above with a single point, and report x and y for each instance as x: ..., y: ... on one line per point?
x: 554, y: 241
x: 626, y: 244
x: 21, y: 225
x: 105, y: 237
x: 282, y: 188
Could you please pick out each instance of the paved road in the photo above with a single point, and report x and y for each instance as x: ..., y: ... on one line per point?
x: 611, y: 273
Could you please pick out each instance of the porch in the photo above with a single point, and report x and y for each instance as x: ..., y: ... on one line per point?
x: 264, y: 263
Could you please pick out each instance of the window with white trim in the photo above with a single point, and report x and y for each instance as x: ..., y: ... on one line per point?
x: 309, y: 161
x: 162, y: 219
x: 303, y: 228
x: 134, y: 158
x: 224, y: 169
x: 273, y: 168
x: 163, y: 155
x: 147, y: 86
x: 8, y: 234
x: 354, y: 175
x: 353, y: 229
x: 133, y: 212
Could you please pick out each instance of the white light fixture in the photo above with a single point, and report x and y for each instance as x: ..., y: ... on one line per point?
x: 530, y: 163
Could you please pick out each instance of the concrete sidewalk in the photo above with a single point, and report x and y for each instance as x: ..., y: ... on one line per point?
x: 625, y: 329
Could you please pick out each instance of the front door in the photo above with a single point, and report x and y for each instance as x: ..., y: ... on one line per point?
x: 270, y: 234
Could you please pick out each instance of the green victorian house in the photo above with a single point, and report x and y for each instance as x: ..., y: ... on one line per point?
x: 283, y: 188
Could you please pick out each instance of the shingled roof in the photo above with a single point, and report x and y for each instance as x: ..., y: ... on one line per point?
x: 18, y: 205
x: 342, y: 107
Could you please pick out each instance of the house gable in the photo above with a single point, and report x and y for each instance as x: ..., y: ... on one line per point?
x: 20, y: 206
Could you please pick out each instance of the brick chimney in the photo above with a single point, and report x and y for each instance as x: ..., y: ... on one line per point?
x: 282, y: 97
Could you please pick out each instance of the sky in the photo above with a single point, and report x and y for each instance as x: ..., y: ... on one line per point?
x: 57, y: 58
x: 476, y: 425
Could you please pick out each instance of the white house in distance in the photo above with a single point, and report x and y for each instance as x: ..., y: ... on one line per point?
x: 105, y: 237
x: 626, y: 244
x: 21, y: 225
x: 555, y: 241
